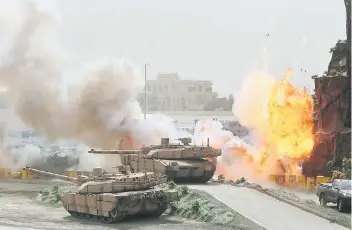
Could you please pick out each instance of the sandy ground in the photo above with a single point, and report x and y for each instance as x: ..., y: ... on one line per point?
x: 19, y: 210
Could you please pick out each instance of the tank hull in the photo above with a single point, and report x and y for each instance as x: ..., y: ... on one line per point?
x: 185, y: 171
x: 115, y: 207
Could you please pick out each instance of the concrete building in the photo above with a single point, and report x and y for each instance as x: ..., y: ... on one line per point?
x: 169, y: 93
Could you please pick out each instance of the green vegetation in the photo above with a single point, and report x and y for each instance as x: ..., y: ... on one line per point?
x: 171, y: 184
x: 184, y: 189
x: 346, y: 167
x: 53, y: 195
x: 221, y: 178
x: 196, y: 205
x: 332, y: 49
x: 241, y: 180
x: 340, y: 170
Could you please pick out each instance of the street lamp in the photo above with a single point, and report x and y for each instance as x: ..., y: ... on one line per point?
x: 145, y: 91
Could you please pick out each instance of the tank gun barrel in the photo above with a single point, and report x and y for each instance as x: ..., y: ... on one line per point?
x: 53, y: 175
x: 115, y: 151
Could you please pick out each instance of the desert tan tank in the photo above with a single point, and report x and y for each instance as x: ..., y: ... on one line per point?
x: 180, y: 162
x: 112, y: 197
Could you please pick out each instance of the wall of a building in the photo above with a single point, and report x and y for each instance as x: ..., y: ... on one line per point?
x: 169, y: 92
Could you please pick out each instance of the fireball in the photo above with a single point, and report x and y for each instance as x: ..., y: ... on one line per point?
x: 279, y: 116
x: 284, y: 127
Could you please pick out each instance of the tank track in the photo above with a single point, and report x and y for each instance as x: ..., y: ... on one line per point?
x: 155, y: 214
x: 202, y: 179
x: 115, y: 217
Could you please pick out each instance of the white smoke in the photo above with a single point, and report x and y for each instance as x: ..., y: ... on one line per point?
x: 251, y: 103
x: 235, y: 151
x: 97, y: 111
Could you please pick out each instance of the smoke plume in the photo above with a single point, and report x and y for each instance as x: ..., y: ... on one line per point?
x: 97, y: 111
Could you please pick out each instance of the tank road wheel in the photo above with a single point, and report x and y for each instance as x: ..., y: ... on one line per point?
x: 114, y: 216
x: 171, y: 175
x: 74, y: 214
x: 80, y: 215
x: 161, y: 209
x: 95, y: 218
x: 206, y: 176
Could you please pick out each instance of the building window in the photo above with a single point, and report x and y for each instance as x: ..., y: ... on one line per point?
x: 191, y: 89
x: 199, y: 88
x: 165, y: 88
x: 208, y: 90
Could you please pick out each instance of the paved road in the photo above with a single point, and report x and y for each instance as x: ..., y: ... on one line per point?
x: 265, y: 210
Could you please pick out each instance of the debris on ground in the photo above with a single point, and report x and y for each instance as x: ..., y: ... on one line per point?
x: 200, y: 206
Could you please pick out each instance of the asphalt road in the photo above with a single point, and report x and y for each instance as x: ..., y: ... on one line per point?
x: 265, y: 210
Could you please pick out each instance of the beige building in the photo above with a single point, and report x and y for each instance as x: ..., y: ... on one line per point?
x: 169, y: 93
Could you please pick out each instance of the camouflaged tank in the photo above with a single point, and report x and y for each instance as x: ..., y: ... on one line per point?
x: 112, y: 197
x: 180, y: 162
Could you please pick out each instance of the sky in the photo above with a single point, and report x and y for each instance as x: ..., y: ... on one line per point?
x: 222, y: 41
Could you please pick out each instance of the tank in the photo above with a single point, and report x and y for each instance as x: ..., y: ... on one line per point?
x: 179, y: 162
x: 111, y: 198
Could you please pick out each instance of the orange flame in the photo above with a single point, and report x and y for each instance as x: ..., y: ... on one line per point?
x: 281, y: 118
x: 290, y: 122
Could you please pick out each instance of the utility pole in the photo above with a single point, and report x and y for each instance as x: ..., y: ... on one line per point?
x: 145, y: 91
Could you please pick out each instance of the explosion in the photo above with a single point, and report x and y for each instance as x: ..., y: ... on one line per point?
x: 32, y: 69
x: 279, y: 116
x: 290, y: 120
x: 289, y: 133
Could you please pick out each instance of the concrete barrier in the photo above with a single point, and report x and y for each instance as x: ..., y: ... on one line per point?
x: 5, y: 173
x: 16, y: 175
x: 280, y: 179
x: 322, y: 179
x: 70, y: 173
x: 301, y: 181
x: 293, y: 181
x: 272, y: 178
x: 27, y: 175
x: 310, y: 182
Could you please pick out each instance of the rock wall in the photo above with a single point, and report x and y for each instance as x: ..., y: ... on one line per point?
x: 332, y: 108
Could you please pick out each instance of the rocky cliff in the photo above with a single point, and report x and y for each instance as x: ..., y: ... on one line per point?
x: 332, y: 108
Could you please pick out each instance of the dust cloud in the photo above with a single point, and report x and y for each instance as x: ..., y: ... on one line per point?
x: 98, y: 110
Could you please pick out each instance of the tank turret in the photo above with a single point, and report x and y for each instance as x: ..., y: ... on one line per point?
x: 180, y: 162
x: 112, y: 197
x: 185, y: 140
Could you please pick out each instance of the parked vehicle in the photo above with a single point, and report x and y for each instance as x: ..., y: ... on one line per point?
x: 337, y: 192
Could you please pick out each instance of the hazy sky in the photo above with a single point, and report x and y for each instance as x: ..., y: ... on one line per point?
x: 221, y: 41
